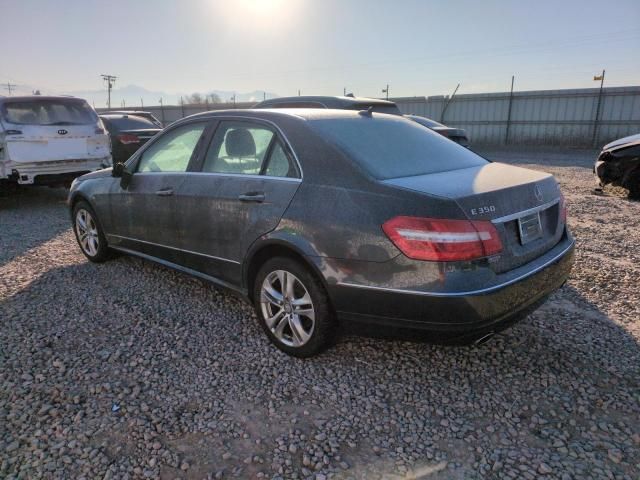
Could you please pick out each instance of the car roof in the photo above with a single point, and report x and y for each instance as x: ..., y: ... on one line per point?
x: 26, y: 98
x: 276, y: 113
x: 126, y: 112
x: 119, y: 115
x: 327, y: 101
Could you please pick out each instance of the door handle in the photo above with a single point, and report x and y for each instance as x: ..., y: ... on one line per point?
x: 252, y: 197
x: 167, y: 192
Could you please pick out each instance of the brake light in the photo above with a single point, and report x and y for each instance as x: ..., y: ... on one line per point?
x: 127, y: 138
x: 563, y: 209
x: 443, y: 240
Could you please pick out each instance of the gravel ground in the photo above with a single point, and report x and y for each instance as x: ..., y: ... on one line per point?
x: 130, y: 370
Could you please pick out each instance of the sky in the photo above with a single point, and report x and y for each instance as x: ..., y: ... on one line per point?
x: 417, y: 47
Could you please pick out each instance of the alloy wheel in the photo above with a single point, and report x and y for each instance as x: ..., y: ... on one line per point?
x: 87, y: 231
x: 287, y: 308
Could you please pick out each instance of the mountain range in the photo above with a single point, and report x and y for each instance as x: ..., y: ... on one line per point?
x: 135, y: 95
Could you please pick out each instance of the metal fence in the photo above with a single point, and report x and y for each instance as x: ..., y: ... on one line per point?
x: 546, y: 117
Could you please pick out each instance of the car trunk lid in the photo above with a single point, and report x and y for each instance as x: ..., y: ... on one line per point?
x: 524, y: 206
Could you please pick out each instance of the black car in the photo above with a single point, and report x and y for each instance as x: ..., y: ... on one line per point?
x: 619, y: 164
x: 340, y: 103
x: 458, y: 135
x: 325, y: 216
x: 128, y: 133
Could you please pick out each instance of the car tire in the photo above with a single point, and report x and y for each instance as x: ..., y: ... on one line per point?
x: 634, y: 187
x: 293, y: 308
x: 89, y: 233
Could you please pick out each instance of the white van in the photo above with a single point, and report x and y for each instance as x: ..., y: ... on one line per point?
x: 50, y: 140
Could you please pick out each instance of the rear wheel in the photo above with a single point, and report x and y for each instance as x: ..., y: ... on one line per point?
x: 88, y: 233
x: 293, y: 308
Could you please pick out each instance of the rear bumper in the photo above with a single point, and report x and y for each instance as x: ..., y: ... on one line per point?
x: 25, y: 173
x: 458, y: 314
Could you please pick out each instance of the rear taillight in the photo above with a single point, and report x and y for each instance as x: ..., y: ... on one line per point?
x: 99, y: 131
x: 443, y: 240
x: 127, y: 138
x: 563, y: 209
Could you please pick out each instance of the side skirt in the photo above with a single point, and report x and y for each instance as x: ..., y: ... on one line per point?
x: 220, y: 283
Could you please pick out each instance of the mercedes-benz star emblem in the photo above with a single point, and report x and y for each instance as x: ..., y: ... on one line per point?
x: 62, y: 131
x: 538, y: 193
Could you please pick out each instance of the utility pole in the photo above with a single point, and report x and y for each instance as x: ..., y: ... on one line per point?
x: 264, y: 96
x: 386, y: 90
x: 10, y: 86
x: 595, y: 122
x: 344, y: 91
x: 110, y: 79
x: 141, y: 103
x: 298, y: 92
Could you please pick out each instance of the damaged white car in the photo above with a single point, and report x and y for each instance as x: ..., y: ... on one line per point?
x: 50, y: 140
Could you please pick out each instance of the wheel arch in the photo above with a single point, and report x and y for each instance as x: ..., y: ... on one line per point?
x: 259, y: 254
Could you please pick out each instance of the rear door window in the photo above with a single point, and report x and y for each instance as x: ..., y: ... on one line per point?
x: 238, y: 147
x: 247, y: 148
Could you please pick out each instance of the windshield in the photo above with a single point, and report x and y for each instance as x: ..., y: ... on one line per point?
x: 392, y: 147
x: 49, y: 112
x: 130, y: 122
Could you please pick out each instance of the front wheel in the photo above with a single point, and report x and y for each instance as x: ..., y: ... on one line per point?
x: 89, y: 233
x: 293, y: 308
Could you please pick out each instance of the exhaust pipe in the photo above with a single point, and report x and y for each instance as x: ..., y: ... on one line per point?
x: 484, y: 339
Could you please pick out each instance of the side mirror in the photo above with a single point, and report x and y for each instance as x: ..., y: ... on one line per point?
x: 120, y: 171
x: 117, y: 170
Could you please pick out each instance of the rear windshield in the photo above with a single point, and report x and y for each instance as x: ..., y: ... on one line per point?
x: 48, y: 112
x: 392, y: 147
x: 130, y: 122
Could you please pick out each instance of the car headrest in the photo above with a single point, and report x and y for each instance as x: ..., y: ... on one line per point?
x: 239, y: 143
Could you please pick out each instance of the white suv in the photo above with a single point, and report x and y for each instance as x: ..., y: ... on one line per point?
x: 50, y: 140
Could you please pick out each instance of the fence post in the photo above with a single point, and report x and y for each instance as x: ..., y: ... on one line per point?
x: 446, y: 105
x: 506, y: 135
x: 595, y: 122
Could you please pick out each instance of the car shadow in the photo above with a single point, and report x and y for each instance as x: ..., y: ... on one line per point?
x: 30, y: 216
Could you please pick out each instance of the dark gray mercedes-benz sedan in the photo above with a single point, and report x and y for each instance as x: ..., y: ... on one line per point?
x: 326, y: 216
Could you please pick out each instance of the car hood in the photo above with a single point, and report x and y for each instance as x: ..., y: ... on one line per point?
x: 622, y: 141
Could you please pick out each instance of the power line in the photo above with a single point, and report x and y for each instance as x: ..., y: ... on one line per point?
x: 110, y: 79
x: 10, y: 86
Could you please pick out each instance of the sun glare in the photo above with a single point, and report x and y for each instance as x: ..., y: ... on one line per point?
x: 257, y: 13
